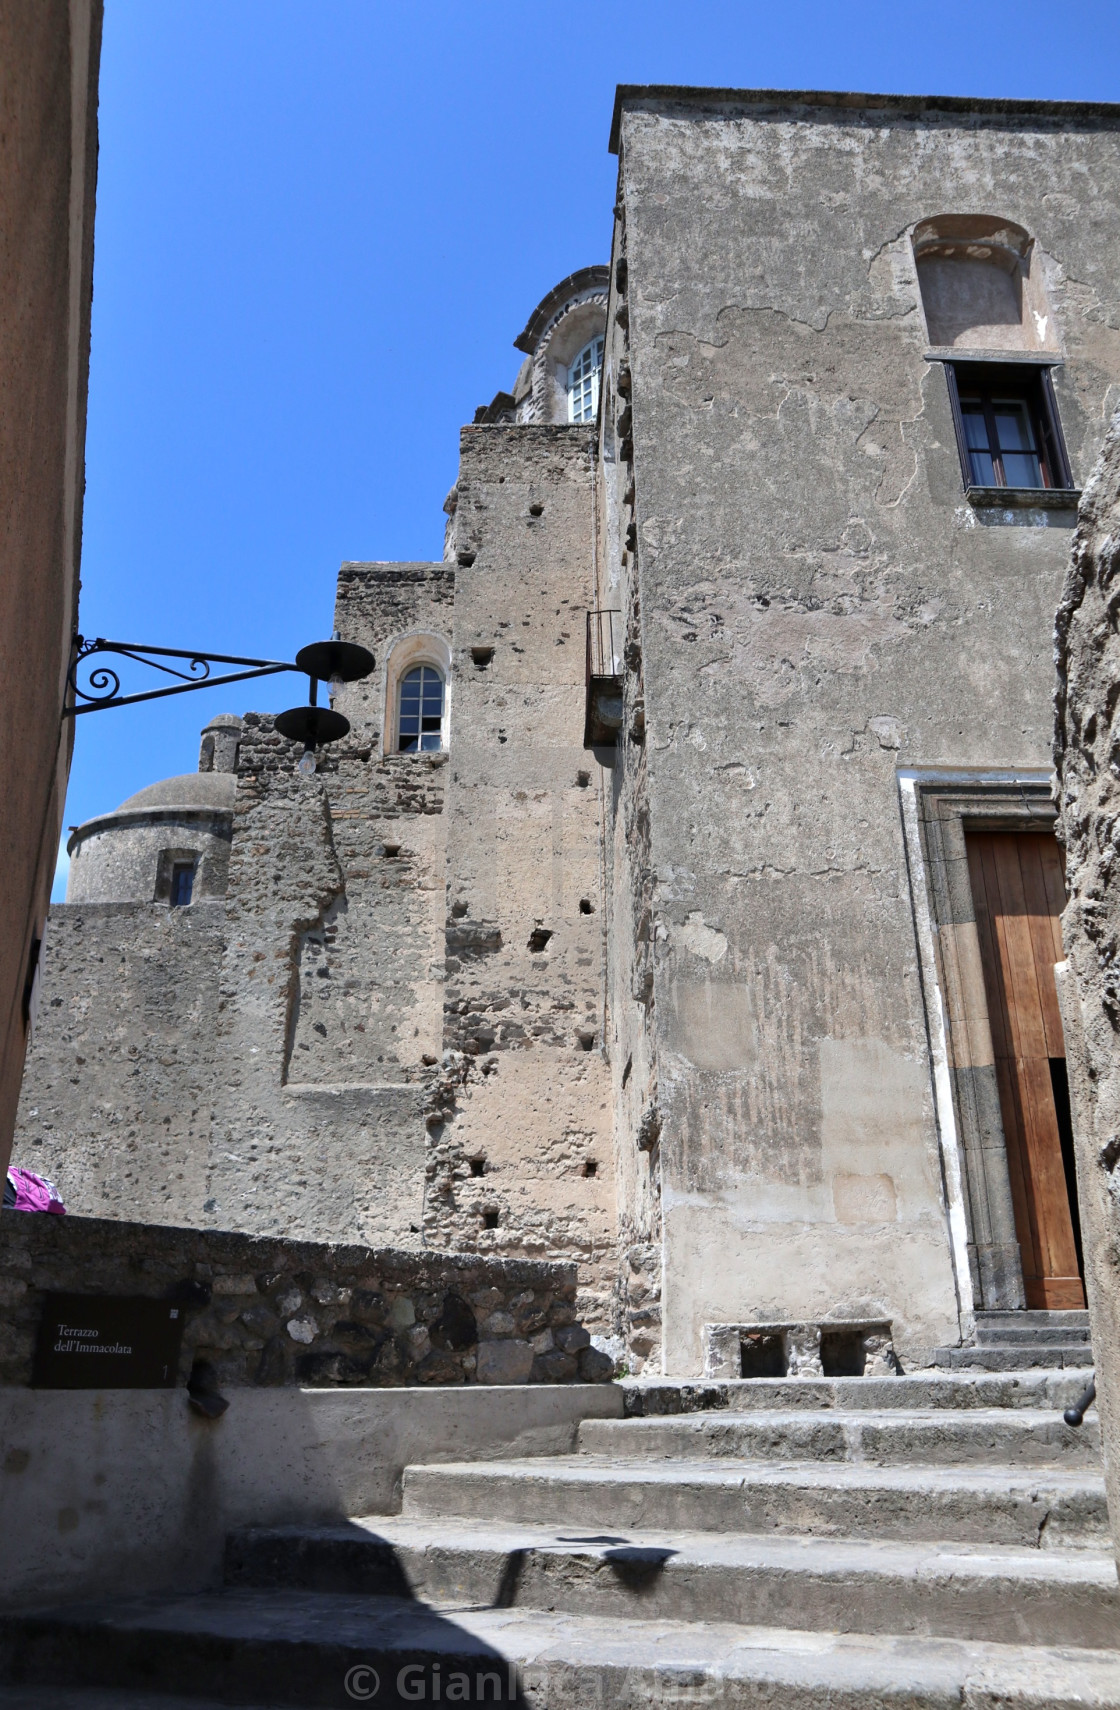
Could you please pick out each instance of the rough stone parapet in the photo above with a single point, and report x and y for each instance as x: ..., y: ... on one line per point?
x: 270, y: 1312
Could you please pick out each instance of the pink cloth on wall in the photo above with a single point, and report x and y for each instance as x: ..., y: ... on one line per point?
x: 34, y: 1193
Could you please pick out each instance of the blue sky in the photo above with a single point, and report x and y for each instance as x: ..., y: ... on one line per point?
x: 320, y: 227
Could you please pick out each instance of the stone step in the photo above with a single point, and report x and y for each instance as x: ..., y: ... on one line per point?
x: 995, y: 1505
x: 106, y: 1698
x: 1075, y: 1319
x: 308, y: 1648
x: 1012, y: 1358
x: 1016, y: 1336
x: 1045, y: 1388
x: 987, y: 1436
x: 1050, y: 1597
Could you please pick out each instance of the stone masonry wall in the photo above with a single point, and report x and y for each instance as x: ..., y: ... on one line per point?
x: 318, y: 1123
x: 263, y: 1062
x: 397, y: 1036
x: 119, y: 1092
x: 521, y: 1152
x: 1085, y: 751
x: 271, y: 1312
x: 628, y: 862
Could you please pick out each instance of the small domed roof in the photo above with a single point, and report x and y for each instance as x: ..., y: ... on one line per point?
x: 582, y: 283
x: 192, y: 789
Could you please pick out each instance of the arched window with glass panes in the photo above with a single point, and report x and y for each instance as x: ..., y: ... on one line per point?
x: 583, y: 382
x: 420, y: 711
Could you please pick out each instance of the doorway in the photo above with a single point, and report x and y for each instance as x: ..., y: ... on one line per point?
x: 1018, y: 888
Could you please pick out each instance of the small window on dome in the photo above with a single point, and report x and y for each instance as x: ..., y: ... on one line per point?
x: 583, y: 382
x: 420, y: 720
x: 182, y: 883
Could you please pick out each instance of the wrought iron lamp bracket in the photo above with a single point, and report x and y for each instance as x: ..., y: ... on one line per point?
x: 103, y: 683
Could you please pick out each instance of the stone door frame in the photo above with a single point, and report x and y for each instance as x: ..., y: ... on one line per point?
x: 938, y: 805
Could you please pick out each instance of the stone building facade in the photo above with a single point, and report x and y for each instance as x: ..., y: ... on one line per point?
x: 722, y: 1005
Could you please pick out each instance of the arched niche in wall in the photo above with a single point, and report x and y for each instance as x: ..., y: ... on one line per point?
x: 981, y: 285
x: 417, y: 650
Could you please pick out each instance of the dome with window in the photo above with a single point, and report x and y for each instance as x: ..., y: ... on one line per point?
x: 563, y: 342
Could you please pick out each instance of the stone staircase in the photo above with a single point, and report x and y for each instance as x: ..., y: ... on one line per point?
x: 1017, y: 1341
x: 862, y: 1544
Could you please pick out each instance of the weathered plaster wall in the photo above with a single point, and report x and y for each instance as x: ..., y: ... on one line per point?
x: 819, y: 606
x: 526, y: 1092
x: 49, y: 56
x: 1088, y: 662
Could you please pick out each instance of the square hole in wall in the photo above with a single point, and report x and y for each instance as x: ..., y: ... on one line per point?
x: 763, y: 1355
x: 591, y: 1167
x: 842, y: 1353
x: 478, y: 1166
x: 489, y: 1219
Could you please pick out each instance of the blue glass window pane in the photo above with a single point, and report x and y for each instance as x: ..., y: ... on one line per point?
x: 182, y: 884
x: 583, y: 382
x: 1021, y: 469
x: 975, y: 427
x: 1013, y: 425
x: 983, y: 473
x: 420, y: 721
x: 1021, y: 464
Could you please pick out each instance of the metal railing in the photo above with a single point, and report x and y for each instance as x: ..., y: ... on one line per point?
x: 603, y: 707
x: 604, y: 644
x: 1075, y: 1414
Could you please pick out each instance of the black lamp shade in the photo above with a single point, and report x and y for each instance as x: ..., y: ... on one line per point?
x: 340, y: 661
x: 312, y: 725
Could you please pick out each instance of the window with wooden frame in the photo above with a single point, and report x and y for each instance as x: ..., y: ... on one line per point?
x: 1008, y: 432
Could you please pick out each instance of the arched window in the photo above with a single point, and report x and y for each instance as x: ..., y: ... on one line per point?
x: 583, y: 382
x: 420, y: 711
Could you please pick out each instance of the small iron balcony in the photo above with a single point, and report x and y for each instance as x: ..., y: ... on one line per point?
x: 603, y: 711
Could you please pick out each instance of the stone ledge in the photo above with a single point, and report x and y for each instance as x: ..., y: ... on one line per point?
x: 1023, y: 498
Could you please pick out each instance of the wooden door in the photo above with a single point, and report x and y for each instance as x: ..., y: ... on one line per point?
x: 1018, y: 888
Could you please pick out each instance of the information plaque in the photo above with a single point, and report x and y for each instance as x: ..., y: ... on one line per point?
x: 97, y: 1341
